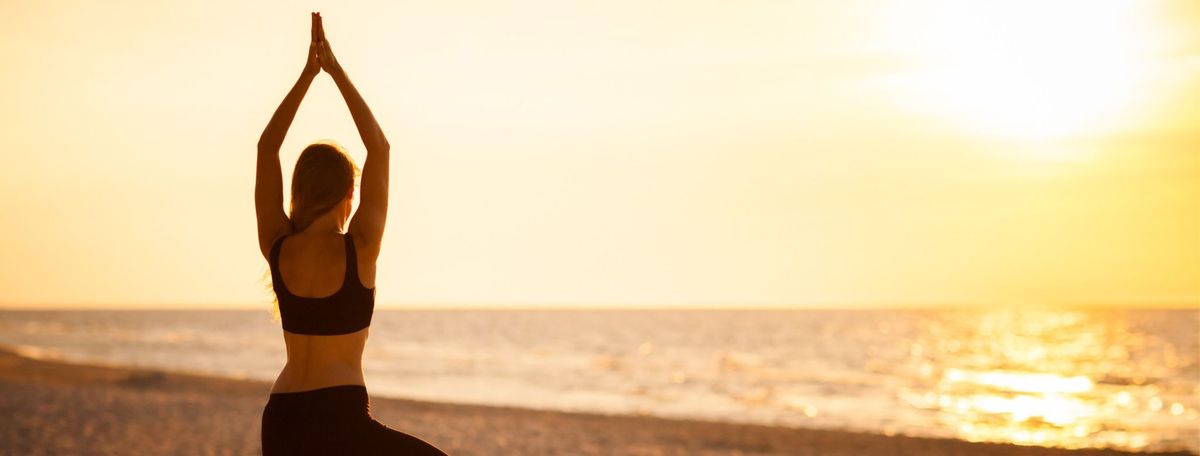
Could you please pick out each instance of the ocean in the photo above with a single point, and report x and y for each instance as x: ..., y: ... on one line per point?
x: 1126, y: 379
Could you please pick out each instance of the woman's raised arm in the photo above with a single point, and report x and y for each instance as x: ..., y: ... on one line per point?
x: 268, y: 184
x: 369, y: 219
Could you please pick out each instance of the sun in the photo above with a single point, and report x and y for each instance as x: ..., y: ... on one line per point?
x: 1028, y: 71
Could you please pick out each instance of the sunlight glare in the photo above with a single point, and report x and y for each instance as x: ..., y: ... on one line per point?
x: 1025, y: 71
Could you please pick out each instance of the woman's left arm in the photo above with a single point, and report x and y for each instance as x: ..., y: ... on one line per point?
x: 268, y: 185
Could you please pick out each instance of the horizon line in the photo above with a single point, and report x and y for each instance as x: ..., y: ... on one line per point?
x: 1147, y: 304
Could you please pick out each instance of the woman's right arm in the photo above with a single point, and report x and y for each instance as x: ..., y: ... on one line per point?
x: 371, y: 215
x: 268, y: 185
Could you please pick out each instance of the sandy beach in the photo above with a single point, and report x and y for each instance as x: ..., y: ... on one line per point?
x: 49, y: 407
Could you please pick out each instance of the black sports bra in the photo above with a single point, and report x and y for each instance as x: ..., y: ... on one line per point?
x: 345, y: 311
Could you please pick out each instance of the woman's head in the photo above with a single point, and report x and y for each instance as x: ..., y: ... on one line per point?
x: 323, y: 181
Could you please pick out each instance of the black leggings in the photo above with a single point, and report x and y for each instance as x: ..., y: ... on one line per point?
x: 333, y: 420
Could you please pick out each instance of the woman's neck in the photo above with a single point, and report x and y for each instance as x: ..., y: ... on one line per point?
x: 325, y: 224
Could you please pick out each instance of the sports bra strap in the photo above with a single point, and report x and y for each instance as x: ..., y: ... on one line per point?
x: 351, y: 262
x: 274, y: 259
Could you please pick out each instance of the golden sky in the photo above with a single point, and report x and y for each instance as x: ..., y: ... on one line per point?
x: 699, y: 153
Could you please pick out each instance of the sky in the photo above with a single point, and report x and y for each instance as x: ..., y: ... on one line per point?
x: 620, y: 153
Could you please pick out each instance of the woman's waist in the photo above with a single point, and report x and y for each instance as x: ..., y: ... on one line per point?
x: 311, y: 375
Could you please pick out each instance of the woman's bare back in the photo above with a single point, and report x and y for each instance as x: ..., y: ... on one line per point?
x: 314, y: 266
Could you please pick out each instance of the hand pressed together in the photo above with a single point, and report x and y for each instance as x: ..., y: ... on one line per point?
x: 320, y: 55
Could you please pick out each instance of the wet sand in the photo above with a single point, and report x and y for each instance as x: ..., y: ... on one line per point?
x: 49, y: 407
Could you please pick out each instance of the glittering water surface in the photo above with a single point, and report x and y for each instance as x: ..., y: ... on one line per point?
x: 1099, y: 378
x: 1074, y: 379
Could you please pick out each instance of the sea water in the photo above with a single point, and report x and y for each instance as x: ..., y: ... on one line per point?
x: 1125, y: 379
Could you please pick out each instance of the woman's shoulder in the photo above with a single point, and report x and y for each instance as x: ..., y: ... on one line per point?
x: 363, y: 244
x: 277, y: 240
x: 283, y: 234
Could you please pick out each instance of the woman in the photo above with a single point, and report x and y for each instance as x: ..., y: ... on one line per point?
x: 324, y: 277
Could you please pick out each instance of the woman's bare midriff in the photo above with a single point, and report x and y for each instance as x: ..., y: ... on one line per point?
x: 315, y: 362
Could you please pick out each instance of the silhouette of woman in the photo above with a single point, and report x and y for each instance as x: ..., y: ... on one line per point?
x: 324, y: 277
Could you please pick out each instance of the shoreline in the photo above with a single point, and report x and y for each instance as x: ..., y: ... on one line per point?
x: 54, y: 407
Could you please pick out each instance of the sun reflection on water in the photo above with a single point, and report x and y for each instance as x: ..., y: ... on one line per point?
x: 1044, y: 377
